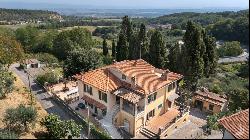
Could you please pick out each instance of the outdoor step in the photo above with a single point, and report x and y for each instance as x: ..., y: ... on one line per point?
x: 148, y: 133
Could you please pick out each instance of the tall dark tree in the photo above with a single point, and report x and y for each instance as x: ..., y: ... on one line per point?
x: 122, y: 48
x: 124, y: 39
x: 113, y: 49
x: 105, y: 49
x: 142, y: 38
x: 126, y: 27
x: 134, y: 52
x: 158, y: 55
x: 194, y: 45
x: 174, y: 57
x: 210, y: 55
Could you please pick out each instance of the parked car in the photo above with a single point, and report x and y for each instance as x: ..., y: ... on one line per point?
x: 81, y: 105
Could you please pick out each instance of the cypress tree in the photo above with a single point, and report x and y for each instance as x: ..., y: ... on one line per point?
x: 134, y: 47
x: 122, y: 48
x: 157, y: 50
x: 193, y: 41
x: 174, y: 57
x: 124, y: 39
x: 105, y: 47
x: 113, y: 49
x: 210, y: 56
x: 143, y: 46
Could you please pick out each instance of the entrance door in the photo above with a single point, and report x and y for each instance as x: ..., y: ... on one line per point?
x: 117, y: 100
x: 169, y: 104
x: 199, y: 104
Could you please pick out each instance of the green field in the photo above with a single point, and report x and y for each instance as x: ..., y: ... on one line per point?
x: 14, y: 27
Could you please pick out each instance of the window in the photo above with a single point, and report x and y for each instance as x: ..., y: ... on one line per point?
x: 151, y: 114
x: 87, y: 89
x: 96, y: 110
x: 133, y: 79
x: 160, y: 106
x: 152, y: 97
x: 104, y: 112
x: 103, y: 96
x: 124, y: 77
x: 171, y: 87
x: 211, y: 107
x: 100, y: 95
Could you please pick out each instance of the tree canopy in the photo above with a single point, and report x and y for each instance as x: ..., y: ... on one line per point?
x: 69, y: 40
x: 10, y: 50
x: 81, y: 60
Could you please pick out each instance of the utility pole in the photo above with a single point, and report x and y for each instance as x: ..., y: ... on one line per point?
x: 29, y: 81
x: 88, y: 124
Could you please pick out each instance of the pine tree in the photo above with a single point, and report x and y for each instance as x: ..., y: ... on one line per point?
x: 195, y: 48
x: 105, y: 47
x: 113, y: 49
x: 157, y: 51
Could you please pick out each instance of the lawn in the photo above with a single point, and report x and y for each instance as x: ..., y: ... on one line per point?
x: 20, y: 96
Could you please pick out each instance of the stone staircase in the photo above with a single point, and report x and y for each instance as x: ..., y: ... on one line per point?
x: 147, y: 133
x: 107, y: 123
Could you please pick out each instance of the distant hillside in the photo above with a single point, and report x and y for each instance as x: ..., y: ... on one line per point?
x: 180, y: 19
x: 27, y: 15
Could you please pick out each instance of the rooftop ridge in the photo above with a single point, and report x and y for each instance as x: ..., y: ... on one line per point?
x: 236, y: 114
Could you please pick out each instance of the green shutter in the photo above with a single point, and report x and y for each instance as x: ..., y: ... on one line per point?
x: 100, y: 95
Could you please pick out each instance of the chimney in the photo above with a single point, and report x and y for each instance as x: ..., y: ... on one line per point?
x: 135, y: 63
x: 133, y: 81
x: 165, y: 74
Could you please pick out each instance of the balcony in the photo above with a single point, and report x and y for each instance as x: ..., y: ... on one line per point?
x: 129, y: 109
x: 132, y: 109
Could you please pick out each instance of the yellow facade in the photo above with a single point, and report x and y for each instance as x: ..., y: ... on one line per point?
x: 137, y: 121
x: 216, y: 108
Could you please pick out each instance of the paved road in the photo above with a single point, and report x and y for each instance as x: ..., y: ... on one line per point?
x: 241, y: 58
x: 42, y: 96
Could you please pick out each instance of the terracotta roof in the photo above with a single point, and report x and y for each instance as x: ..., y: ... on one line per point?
x: 128, y: 95
x: 211, y: 97
x: 30, y: 61
x: 237, y: 124
x: 148, y: 78
x: 93, y: 102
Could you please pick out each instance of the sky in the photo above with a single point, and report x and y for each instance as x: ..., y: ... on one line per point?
x: 146, y: 3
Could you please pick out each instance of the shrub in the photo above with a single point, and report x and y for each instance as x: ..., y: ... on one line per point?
x: 4, y: 134
x: 6, y: 82
x: 230, y: 49
x: 60, y: 129
x: 99, y: 134
x: 20, y: 117
x: 49, y: 77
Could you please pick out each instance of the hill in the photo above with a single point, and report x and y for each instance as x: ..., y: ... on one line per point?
x: 10, y: 15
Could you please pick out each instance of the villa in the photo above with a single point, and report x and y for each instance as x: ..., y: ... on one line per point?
x: 135, y: 97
